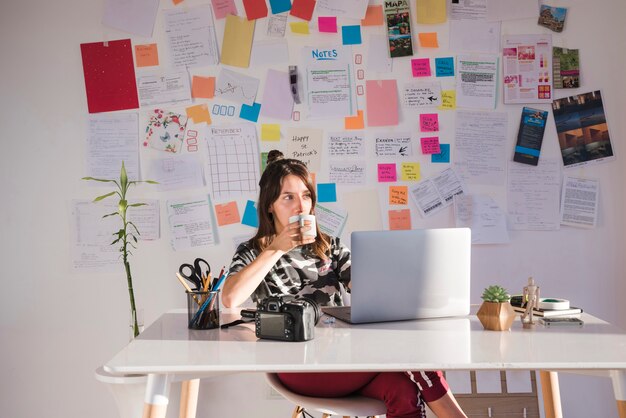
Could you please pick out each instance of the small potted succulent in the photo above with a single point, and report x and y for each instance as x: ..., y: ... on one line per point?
x: 496, y: 312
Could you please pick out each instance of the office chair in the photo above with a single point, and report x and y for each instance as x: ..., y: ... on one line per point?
x: 349, y: 406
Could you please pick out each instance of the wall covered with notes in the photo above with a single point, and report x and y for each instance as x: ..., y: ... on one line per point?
x: 506, y: 119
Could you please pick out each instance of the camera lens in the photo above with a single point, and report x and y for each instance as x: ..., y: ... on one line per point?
x: 272, y: 307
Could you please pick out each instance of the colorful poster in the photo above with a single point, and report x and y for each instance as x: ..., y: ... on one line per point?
x: 398, y: 18
x: 565, y: 68
x: 165, y: 131
x: 582, y: 129
x: 527, y: 68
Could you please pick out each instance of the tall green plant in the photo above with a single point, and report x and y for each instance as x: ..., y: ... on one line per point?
x: 125, y: 234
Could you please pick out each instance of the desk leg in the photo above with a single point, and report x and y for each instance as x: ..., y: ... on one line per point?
x: 189, y: 398
x: 157, y: 396
x: 551, y: 394
x: 619, y: 388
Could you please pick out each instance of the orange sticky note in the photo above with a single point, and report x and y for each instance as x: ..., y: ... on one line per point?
x: 428, y: 39
x: 398, y: 195
x: 227, y: 213
x: 400, y: 219
x: 355, y: 122
x: 177, y: 2
x: 199, y: 113
x: 373, y: 16
x: 202, y: 87
x: 146, y: 55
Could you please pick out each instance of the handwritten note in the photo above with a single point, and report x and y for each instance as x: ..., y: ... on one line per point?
x: 146, y: 55
x: 236, y: 87
x: 387, y: 172
x: 191, y: 37
x: 347, y: 172
x: 444, y: 67
x: 400, y: 219
x: 421, y: 95
x: 448, y: 100
x: 393, y: 145
x: 227, y: 213
x: 420, y: 67
x: 410, y: 171
x: 223, y: 8
x: 305, y: 145
x: 429, y: 122
x: 398, y: 195
x: 346, y: 144
x: 430, y: 145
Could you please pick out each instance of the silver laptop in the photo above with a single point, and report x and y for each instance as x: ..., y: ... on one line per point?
x: 415, y: 274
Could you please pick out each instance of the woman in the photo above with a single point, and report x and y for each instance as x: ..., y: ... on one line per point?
x: 280, y: 260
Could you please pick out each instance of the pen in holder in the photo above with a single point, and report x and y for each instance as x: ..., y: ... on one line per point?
x: 203, y: 309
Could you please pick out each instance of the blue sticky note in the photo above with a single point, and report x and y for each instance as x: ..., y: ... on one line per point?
x: 279, y: 6
x: 250, y: 113
x: 351, y: 35
x: 444, y: 67
x: 250, y: 216
x: 443, y: 156
x: 326, y: 192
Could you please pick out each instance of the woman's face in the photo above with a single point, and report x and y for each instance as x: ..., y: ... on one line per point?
x: 294, y: 199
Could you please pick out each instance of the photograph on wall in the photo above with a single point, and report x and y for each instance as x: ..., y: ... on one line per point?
x: 565, y: 68
x: 398, y: 18
x: 552, y: 18
x: 582, y: 129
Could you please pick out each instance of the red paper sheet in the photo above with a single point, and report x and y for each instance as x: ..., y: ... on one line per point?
x: 109, y: 76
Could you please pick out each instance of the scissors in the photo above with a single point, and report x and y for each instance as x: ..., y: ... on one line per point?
x: 196, y: 273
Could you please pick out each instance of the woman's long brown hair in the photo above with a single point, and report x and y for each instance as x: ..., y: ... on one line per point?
x: 270, y: 186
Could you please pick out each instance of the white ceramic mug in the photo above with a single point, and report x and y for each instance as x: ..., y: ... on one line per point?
x: 302, y: 218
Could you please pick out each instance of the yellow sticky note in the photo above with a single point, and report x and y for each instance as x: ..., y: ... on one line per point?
x: 398, y: 195
x: 431, y: 11
x: 237, y: 44
x: 355, y: 122
x: 202, y: 87
x: 270, y: 132
x: 428, y: 39
x: 448, y: 99
x: 410, y: 171
x: 199, y: 113
x: 146, y: 55
x: 300, y: 27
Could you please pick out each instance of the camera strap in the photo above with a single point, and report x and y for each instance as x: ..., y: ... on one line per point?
x: 237, y: 322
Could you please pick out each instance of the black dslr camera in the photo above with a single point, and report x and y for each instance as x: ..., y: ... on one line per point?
x: 286, y: 318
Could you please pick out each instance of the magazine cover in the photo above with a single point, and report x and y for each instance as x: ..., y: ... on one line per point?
x: 398, y: 18
x: 582, y: 129
x: 566, y: 68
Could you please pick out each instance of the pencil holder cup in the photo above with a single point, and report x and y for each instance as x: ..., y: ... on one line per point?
x: 203, y: 309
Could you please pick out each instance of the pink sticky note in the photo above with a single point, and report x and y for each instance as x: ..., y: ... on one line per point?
x: 430, y: 145
x: 429, y: 122
x: 327, y: 24
x: 223, y: 8
x: 381, y: 100
x: 420, y: 67
x: 387, y: 173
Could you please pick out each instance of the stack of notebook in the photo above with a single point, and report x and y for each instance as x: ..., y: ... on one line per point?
x: 570, y: 312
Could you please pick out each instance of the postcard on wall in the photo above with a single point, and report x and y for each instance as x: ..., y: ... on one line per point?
x: 171, y: 88
x: 346, y: 144
x: 191, y: 37
x: 422, y: 95
x: 530, y: 136
x: 165, y: 130
x: 579, y: 202
x: 393, y: 145
x: 476, y: 84
x: 582, y: 129
x: 527, y: 68
x: 552, y: 18
x: 398, y: 19
x: 236, y: 87
x: 566, y: 68
x: 191, y: 222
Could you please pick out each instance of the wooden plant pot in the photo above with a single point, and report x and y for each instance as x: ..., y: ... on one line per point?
x: 496, y: 316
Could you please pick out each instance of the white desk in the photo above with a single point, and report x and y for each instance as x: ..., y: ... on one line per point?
x: 168, y: 351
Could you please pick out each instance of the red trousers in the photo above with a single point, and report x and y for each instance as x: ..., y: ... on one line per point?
x: 404, y: 393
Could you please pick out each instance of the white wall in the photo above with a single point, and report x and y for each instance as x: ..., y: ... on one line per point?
x: 57, y: 326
